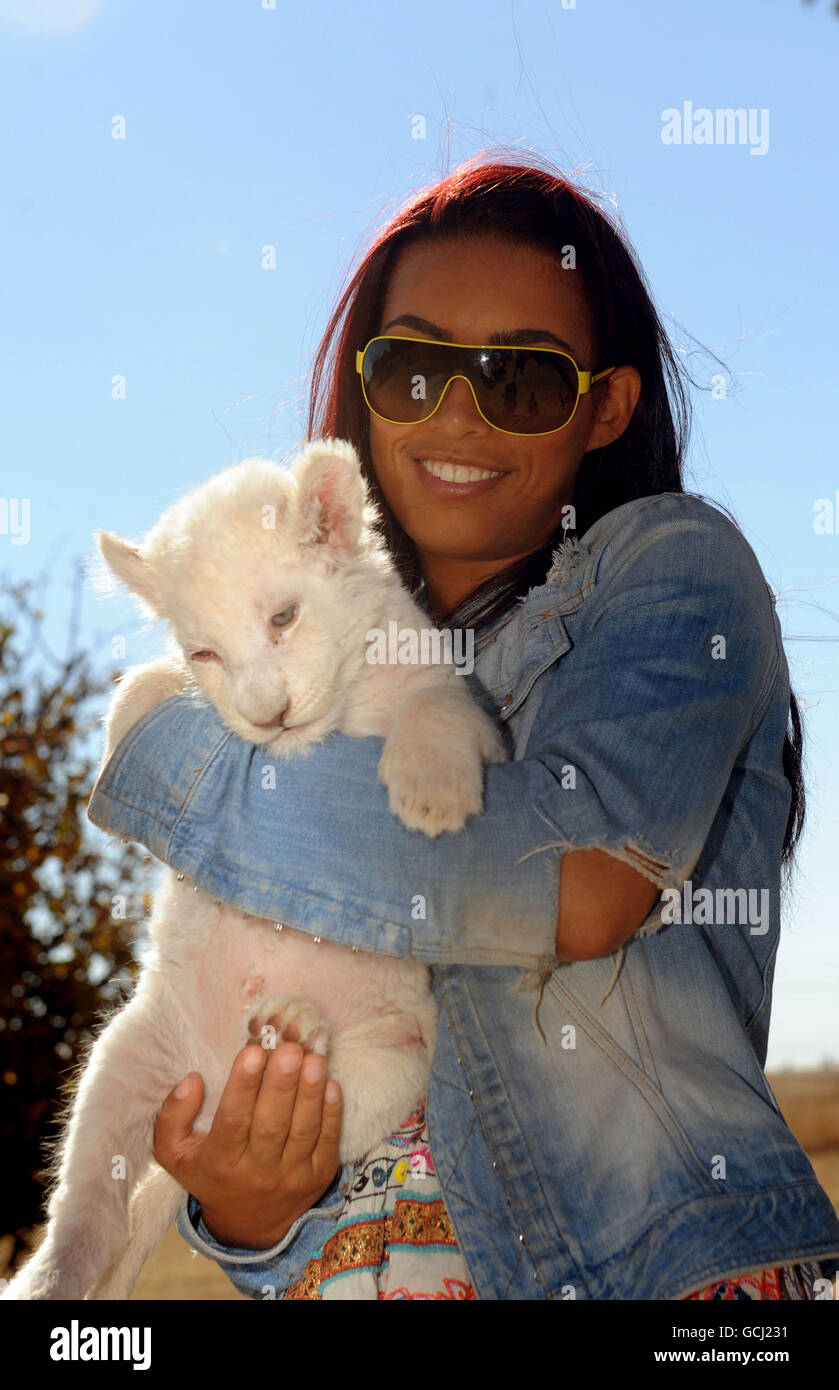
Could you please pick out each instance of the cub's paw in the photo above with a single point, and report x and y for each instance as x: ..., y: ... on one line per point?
x: 282, y: 1019
x: 430, y: 793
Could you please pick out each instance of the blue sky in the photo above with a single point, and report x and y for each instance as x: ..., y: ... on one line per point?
x: 247, y: 125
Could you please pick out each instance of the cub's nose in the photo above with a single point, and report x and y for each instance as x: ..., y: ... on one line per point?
x: 278, y: 720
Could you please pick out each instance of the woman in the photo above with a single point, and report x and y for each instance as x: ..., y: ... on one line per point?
x: 604, y: 933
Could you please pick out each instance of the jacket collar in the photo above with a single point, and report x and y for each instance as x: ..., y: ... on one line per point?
x: 532, y: 635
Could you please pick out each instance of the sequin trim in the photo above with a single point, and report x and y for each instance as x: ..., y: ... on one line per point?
x: 366, y: 1244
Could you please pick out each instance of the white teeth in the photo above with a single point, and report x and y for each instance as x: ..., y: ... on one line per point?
x: 457, y: 473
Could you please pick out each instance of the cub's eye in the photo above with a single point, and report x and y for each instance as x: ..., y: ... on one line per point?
x: 285, y: 616
x: 204, y: 655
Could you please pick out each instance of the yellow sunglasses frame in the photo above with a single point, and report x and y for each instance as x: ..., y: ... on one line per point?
x: 585, y: 380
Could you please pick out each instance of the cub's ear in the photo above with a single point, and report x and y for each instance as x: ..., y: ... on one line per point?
x: 126, y: 562
x: 332, y: 494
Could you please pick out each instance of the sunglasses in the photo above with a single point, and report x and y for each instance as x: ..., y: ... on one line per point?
x: 518, y: 390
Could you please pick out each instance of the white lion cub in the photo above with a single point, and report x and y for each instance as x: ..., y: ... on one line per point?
x: 270, y: 580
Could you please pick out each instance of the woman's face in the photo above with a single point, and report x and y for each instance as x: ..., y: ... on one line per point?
x: 465, y: 290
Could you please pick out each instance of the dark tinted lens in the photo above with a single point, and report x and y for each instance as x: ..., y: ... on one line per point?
x: 404, y: 379
x: 519, y: 389
x: 527, y: 391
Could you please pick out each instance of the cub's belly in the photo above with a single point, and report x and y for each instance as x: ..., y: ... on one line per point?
x: 226, y: 967
x: 223, y: 965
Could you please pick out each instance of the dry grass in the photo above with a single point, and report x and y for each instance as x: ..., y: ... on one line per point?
x: 176, y: 1271
x: 809, y: 1101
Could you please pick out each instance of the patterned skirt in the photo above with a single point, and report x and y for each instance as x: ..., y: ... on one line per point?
x: 394, y: 1239
x: 785, y: 1282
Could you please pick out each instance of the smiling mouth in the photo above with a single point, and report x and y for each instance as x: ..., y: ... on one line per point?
x: 458, y: 472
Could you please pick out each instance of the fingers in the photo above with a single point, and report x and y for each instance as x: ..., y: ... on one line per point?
x: 272, y: 1111
x: 307, y: 1119
x: 325, y: 1156
x: 228, y: 1137
x: 274, y: 1108
x: 173, y: 1126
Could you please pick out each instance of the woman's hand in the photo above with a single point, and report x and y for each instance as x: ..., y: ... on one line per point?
x: 272, y: 1150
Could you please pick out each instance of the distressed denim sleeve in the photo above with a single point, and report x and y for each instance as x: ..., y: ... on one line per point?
x: 673, y: 657
x: 675, y: 664
x: 311, y: 841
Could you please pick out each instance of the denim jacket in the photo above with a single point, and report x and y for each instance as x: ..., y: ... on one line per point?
x: 601, y: 1129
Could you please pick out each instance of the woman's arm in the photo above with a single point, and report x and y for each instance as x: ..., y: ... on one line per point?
x: 602, y: 902
x: 675, y: 654
x: 311, y: 841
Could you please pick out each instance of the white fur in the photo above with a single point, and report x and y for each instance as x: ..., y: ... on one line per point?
x: 217, y: 572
